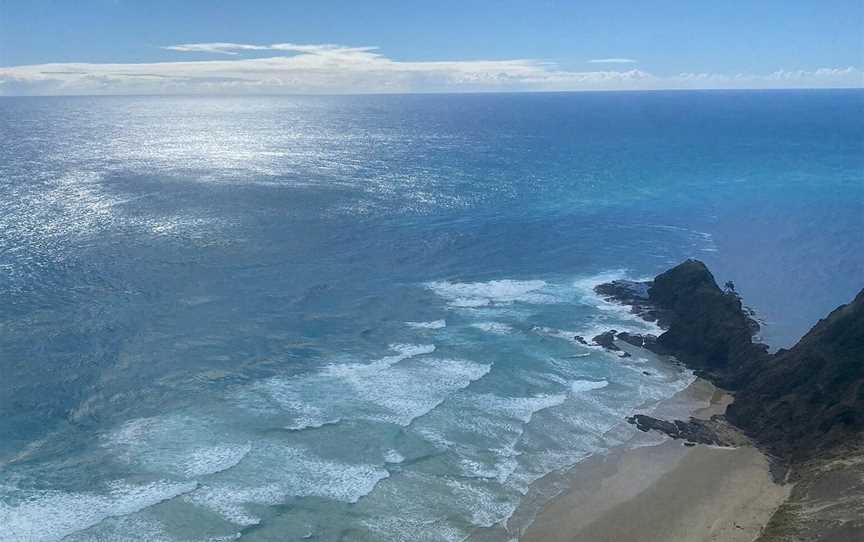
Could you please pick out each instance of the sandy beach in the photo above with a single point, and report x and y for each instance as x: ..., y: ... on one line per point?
x: 667, y: 492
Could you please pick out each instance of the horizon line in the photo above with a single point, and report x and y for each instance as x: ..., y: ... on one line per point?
x: 435, y: 93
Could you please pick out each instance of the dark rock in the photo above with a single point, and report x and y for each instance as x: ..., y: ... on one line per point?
x: 646, y: 341
x: 714, y: 431
x: 635, y: 339
x: 625, y: 291
x: 607, y: 340
x: 796, y: 402
x: 804, y: 405
x: 809, y: 398
x: 631, y: 293
x: 707, y: 328
x: 648, y: 423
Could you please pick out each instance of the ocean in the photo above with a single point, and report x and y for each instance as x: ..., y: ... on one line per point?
x: 354, y: 318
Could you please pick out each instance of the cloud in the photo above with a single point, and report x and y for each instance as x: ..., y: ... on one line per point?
x: 236, y: 48
x: 612, y: 61
x: 336, y: 69
x: 220, y: 48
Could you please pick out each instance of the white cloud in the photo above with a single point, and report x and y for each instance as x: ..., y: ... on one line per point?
x: 331, y: 68
x: 221, y: 48
x: 612, y: 61
x: 234, y: 48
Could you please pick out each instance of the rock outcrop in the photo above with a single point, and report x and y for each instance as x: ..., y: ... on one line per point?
x: 797, y: 402
x: 695, y: 431
x: 804, y: 406
x: 707, y: 328
x: 607, y: 340
x: 809, y: 399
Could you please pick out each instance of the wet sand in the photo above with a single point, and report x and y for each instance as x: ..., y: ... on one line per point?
x: 667, y: 492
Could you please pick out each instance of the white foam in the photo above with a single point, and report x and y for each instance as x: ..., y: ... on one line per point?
x: 506, y: 463
x: 213, y: 459
x: 469, y: 302
x: 229, y: 502
x: 433, y: 508
x: 178, y: 444
x: 585, y: 285
x: 483, y: 431
x: 406, y: 394
x: 306, y: 415
x: 310, y: 423
x: 276, y: 472
x: 520, y: 408
x: 481, y: 294
x: 486, y: 507
x: 52, y: 515
x: 132, y: 528
x: 384, y: 390
x: 587, y: 385
x: 402, y: 529
x: 497, y: 328
x: 354, y: 370
x: 393, y: 456
x: 434, y: 324
x: 570, y: 336
x: 542, y: 380
x: 617, y: 311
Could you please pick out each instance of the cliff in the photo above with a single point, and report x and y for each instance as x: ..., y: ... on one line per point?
x: 707, y: 327
x: 809, y: 399
x: 796, y: 402
x: 805, y: 405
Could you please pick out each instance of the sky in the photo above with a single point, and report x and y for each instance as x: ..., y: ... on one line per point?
x: 336, y: 47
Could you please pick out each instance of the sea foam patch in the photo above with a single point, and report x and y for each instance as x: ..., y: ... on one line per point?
x: 434, y: 508
x: 360, y: 370
x: 275, y: 472
x: 327, y: 396
x: 177, y: 444
x: 433, y: 324
x: 587, y: 385
x: 393, y: 456
x: 483, y: 432
x: 520, y: 408
x: 406, y: 393
x: 384, y: 390
x: 51, y: 515
x: 627, y: 321
x: 486, y: 506
x: 212, y: 459
x: 481, y: 294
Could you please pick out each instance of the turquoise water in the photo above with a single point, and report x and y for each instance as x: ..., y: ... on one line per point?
x: 352, y: 318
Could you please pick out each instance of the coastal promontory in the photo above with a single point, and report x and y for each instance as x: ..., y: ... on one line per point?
x: 803, y: 406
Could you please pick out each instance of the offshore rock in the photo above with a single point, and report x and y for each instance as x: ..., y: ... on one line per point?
x: 632, y: 293
x: 607, y: 340
x: 646, y: 341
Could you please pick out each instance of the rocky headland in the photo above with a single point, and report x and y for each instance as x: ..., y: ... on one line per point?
x: 804, y: 406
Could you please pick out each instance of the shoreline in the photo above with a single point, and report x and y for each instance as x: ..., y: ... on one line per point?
x: 667, y: 492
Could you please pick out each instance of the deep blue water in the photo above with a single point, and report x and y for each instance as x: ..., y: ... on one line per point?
x: 352, y: 317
